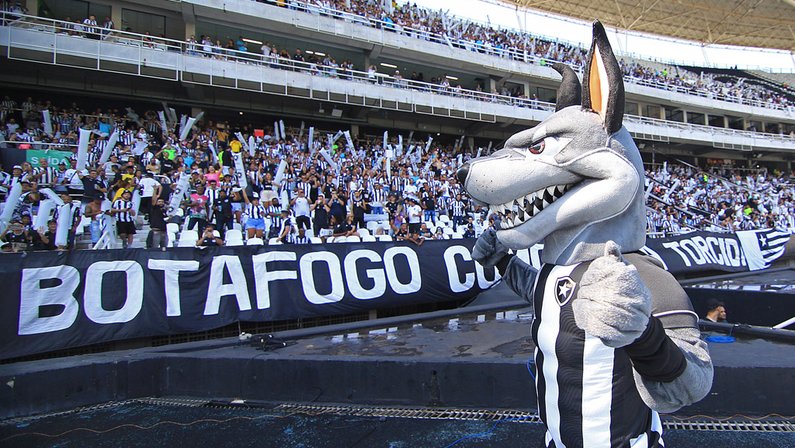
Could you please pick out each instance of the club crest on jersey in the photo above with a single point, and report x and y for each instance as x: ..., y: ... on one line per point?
x: 564, y: 290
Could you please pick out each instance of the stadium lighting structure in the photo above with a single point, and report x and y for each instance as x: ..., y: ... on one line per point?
x: 451, y: 78
x: 252, y: 41
x: 388, y: 65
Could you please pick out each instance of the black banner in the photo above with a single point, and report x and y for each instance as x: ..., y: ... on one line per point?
x: 58, y: 300
x: 699, y: 252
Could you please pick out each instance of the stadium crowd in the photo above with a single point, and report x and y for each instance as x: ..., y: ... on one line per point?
x: 438, y: 26
x: 331, y: 185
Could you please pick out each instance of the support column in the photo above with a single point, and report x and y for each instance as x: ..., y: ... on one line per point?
x: 492, y: 87
x: 190, y: 30
x: 726, y: 122
x: 32, y: 6
x: 116, y: 16
x: 662, y: 112
x: 684, y: 116
x: 354, y: 131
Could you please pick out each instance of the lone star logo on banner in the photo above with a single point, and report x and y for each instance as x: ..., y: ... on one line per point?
x: 564, y: 290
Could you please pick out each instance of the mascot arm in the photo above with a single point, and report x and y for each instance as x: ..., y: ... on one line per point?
x: 690, y: 386
x: 672, y: 364
x: 519, y: 276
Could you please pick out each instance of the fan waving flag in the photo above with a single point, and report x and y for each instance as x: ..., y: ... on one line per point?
x: 763, y: 247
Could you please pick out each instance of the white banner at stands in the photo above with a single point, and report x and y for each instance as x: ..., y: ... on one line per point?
x: 47, y: 193
x: 10, y: 205
x: 178, y: 194
x: 244, y: 143
x: 277, y: 179
x: 328, y: 158
x: 241, y: 171
x: 182, y: 120
x: 408, y: 153
x: 136, y: 199
x: 63, y: 225
x: 45, y: 114
x: 82, y: 149
x: 428, y: 145
x: 252, y: 145
x: 276, y: 130
x: 108, y: 149
x: 43, y: 216
x: 301, y: 132
x: 479, y: 151
x: 335, y: 138
x: 163, y: 124
x: 399, y: 146
x: 212, y: 150
x: 186, y: 127
x: 311, y: 143
x: 388, y: 168
x: 281, y: 128
x: 140, y: 147
x: 349, y: 140
x: 386, y: 139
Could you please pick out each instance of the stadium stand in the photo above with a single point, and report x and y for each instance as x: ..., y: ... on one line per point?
x: 338, y: 173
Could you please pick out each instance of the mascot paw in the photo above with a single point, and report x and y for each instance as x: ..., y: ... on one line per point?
x: 488, y: 249
x: 613, y: 304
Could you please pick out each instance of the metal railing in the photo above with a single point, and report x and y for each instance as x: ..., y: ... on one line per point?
x: 63, y: 43
x: 389, y: 29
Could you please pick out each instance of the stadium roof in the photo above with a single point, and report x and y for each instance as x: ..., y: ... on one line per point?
x: 751, y: 23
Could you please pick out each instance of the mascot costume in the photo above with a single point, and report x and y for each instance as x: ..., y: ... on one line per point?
x: 617, y: 339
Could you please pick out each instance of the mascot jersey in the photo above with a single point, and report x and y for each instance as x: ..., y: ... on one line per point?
x: 586, y: 391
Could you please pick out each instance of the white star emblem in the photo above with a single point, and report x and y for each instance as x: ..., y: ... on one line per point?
x: 564, y: 290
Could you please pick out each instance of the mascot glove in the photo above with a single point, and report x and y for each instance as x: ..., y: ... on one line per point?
x: 612, y: 304
x: 488, y: 249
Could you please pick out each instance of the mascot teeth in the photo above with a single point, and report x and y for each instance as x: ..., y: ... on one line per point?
x: 518, y: 211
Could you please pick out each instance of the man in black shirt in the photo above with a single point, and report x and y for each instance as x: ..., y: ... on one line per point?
x: 224, y: 216
x: 157, y: 237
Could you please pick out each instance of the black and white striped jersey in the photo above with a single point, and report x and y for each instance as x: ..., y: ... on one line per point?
x: 121, y: 204
x: 586, y: 390
x: 255, y: 211
x: 47, y: 176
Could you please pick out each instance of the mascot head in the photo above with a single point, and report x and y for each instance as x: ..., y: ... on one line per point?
x: 575, y: 181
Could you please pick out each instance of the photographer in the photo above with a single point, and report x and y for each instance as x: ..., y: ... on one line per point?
x: 209, y: 239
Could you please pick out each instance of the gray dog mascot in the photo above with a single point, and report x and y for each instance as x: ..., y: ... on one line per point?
x: 617, y: 339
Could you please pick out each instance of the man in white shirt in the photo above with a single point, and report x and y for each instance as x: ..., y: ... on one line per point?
x: 148, y: 185
x: 415, y: 215
x: 301, y: 210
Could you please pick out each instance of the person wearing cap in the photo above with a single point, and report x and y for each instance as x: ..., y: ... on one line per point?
x: 286, y: 233
x: 414, y: 212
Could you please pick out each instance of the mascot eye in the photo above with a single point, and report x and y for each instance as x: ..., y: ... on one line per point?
x: 538, y: 148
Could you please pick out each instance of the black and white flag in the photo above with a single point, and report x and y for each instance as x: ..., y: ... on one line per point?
x: 763, y: 247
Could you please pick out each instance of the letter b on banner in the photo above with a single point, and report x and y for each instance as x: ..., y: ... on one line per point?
x: 34, y: 296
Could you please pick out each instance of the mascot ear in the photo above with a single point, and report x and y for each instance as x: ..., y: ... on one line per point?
x: 569, y: 91
x: 603, y: 82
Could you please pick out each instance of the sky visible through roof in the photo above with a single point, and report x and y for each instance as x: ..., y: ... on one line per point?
x: 631, y: 44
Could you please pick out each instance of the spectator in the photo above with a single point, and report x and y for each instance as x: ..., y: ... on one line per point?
x: 716, y: 311
x: 209, y: 238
